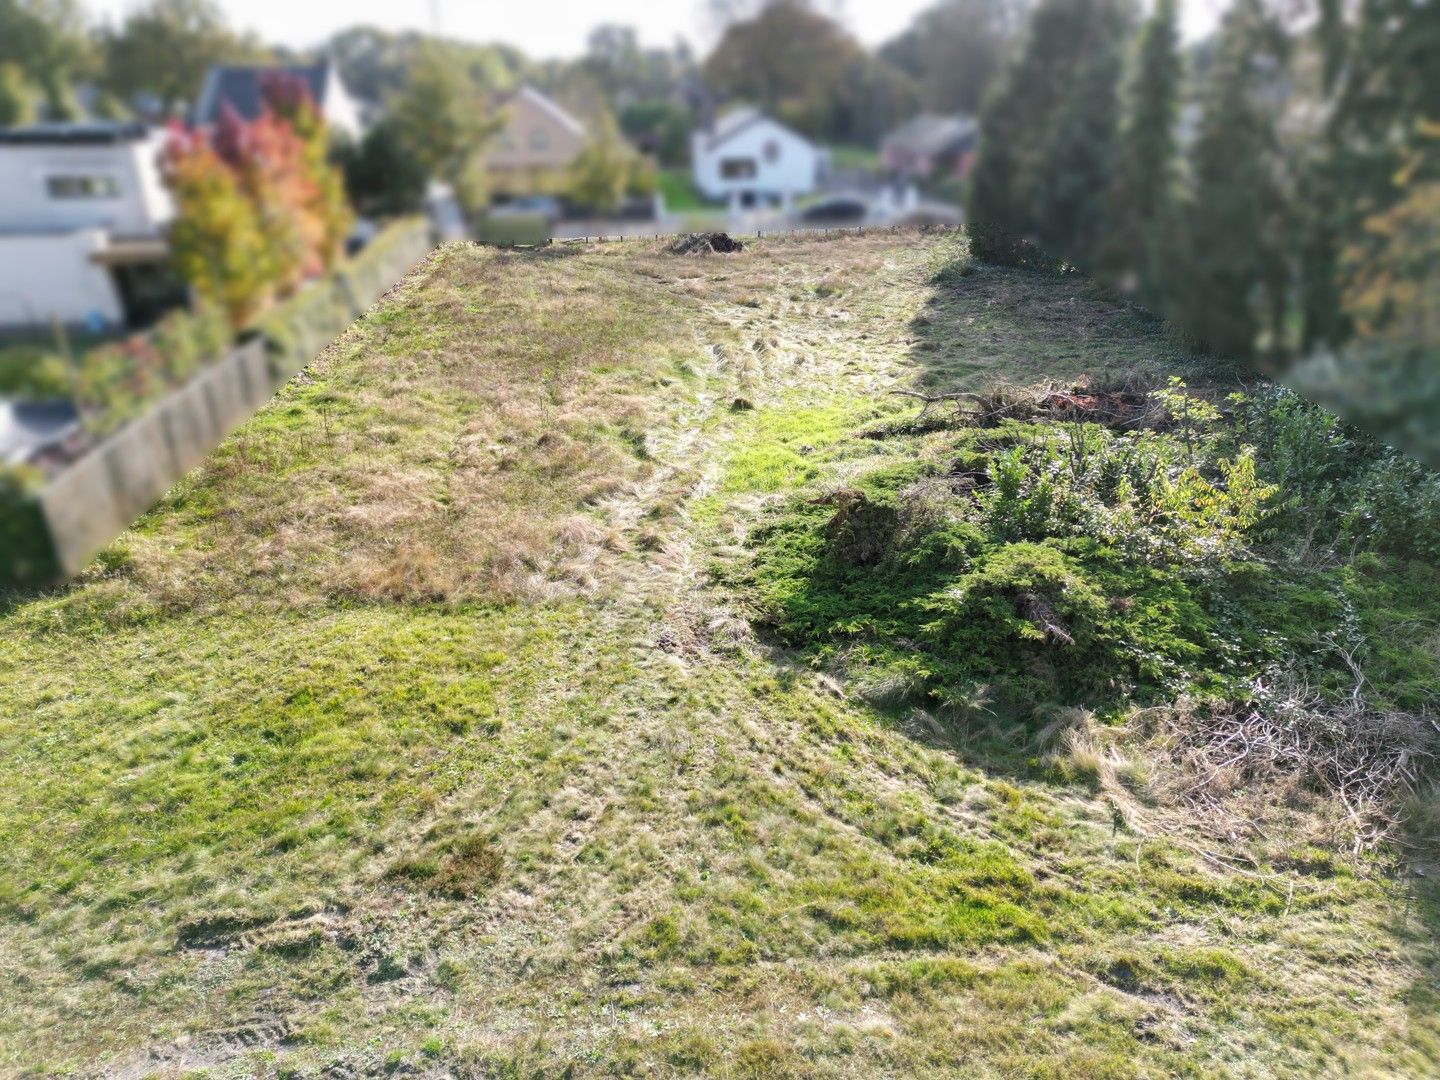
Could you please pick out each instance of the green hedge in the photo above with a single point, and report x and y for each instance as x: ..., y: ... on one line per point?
x: 26, y: 554
x: 527, y: 229
x: 295, y: 330
x: 1001, y: 247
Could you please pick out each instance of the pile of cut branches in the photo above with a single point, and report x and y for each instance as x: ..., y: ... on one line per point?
x: 704, y: 243
x: 1127, y: 408
x: 1290, y: 739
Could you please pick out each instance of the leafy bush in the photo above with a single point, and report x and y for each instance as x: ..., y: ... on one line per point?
x: 186, y: 340
x: 118, y: 381
x: 34, y: 373
x: 1340, y: 487
x: 26, y: 555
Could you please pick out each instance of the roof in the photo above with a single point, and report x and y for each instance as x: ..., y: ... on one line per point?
x: 535, y: 97
x: 932, y: 134
x: 87, y: 133
x: 239, y: 85
x: 733, y: 121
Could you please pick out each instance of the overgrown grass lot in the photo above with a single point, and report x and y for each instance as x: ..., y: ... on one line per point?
x: 840, y: 658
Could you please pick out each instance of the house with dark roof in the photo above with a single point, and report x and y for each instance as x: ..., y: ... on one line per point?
x: 931, y: 147
x: 752, y: 161
x: 241, y: 87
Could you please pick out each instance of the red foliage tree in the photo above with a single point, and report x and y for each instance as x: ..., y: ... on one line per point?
x: 260, y: 206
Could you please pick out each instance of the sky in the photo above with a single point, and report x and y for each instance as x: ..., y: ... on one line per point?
x: 553, y: 28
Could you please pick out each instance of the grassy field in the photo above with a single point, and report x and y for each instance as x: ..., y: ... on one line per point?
x: 471, y: 712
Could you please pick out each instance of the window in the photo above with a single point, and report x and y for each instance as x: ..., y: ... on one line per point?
x: 737, y: 168
x: 539, y: 140
x: 83, y: 187
x: 772, y: 151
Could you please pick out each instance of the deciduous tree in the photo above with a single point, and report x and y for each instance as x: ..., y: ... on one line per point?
x: 217, y: 243
x: 167, y: 46
x: 955, y: 50
x: 17, y: 98
x: 446, y: 123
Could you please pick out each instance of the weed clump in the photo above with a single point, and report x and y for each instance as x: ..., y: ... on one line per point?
x: 463, y: 869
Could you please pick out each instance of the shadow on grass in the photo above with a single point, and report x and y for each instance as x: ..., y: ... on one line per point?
x: 985, y: 324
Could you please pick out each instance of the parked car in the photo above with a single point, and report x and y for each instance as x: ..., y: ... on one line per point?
x: 544, y: 206
x: 836, y: 210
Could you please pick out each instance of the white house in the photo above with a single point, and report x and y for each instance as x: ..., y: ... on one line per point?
x: 82, y: 215
x: 750, y: 161
x: 241, y: 87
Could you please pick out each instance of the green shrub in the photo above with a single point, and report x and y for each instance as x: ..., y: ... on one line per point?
x: 118, y: 381
x: 186, y: 340
x: 1338, y: 486
x: 508, y: 231
x: 26, y: 554
x: 992, y: 244
x: 1073, y: 562
x: 34, y: 373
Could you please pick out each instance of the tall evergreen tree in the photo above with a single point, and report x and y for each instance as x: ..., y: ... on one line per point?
x: 1144, y: 185
x: 1057, y: 92
x: 1235, y: 258
x: 1383, y: 88
x: 1072, y: 214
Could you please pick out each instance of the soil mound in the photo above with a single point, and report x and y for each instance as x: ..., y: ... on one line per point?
x: 703, y: 243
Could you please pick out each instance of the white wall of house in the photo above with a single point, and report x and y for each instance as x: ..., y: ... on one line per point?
x: 341, y: 110
x: 48, y: 275
x: 755, y: 158
x: 59, y: 186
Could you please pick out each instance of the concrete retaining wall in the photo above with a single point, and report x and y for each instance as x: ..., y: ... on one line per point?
x: 95, y: 498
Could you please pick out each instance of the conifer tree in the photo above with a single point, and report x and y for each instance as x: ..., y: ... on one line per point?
x: 1383, y: 85
x: 1234, y: 254
x: 1056, y: 93
x: 1145, y: 174
x: 1072, y: 213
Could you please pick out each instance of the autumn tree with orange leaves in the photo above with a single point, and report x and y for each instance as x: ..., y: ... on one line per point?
x: 260, y: 208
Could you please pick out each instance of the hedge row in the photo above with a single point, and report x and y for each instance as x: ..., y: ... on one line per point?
x: 298, y: 328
